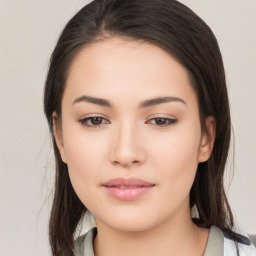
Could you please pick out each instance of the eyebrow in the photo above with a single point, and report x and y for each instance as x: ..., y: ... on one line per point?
x: 144, y: 104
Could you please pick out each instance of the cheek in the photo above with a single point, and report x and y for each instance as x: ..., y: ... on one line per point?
x: 177, y: 148
x: 84, y: 153
x: 177, y: 160
x: 83, y: 149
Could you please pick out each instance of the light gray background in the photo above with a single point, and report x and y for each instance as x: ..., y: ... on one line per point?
x: 28, y: 33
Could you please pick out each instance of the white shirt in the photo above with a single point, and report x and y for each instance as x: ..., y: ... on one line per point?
x: 218, y: 244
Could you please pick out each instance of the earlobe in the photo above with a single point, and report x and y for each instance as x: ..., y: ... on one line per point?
x: 58, y: 136
x: 207, y: 141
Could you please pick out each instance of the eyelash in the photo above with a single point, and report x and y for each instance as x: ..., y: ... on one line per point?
x: 85, y: 120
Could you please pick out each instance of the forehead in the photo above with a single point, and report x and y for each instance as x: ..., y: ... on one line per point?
x: 118, y: 52
x: 127, y: 68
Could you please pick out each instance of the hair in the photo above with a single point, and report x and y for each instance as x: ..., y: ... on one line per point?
x: 176, y: 29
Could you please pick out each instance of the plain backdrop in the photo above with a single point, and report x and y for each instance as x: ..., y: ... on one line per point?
x: 28, y: 32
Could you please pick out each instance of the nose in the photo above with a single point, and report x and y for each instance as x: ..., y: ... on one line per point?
x: 127, y: 147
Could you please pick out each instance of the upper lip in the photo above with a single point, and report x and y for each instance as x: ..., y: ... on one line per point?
x: 127, y: 182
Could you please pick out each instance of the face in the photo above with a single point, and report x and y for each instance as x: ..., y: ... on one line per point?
x: 129, y: 112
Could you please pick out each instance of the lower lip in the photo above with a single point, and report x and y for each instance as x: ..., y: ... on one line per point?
x: 128, y: 194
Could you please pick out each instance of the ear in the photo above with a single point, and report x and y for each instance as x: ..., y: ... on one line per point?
x: 207, y: 140
x: 57, y: 132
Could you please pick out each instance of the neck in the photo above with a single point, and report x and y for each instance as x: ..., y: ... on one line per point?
x: 173, y: 237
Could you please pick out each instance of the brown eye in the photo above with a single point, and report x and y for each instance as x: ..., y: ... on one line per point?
x: 96, y: 120
x: 161, y: 121
x: 93, y: 122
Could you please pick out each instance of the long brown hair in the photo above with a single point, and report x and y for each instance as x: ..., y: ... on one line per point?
x: 173, y: 27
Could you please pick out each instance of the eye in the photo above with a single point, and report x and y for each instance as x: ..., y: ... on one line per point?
x: 92, y: 122
x: 162, y: 121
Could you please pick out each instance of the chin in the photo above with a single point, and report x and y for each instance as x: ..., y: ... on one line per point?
x: 130, y: 222
x: 131, y: 226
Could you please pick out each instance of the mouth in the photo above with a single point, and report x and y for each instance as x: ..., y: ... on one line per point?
x: 127, y: 182
x: 127, y: 189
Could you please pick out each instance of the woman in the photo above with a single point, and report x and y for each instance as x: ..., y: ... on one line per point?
x: 138, y: 109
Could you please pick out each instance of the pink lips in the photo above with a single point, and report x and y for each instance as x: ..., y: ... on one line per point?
x: 127, y: 189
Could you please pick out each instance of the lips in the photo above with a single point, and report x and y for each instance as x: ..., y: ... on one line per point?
x: 127, y: 189
x: 125, y: 183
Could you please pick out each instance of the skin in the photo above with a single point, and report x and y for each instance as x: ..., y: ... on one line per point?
x: 130, y: 143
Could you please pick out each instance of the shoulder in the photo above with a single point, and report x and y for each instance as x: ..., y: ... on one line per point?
x: 83, y: 245
x: 238, y: 241
x: 229, y: 243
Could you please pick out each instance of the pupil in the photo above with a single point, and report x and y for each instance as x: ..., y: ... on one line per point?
x: 96, y: 120
x: 160, y: 121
